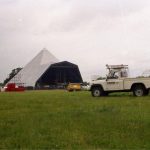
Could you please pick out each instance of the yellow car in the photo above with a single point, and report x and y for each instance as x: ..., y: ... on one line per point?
x: 74, y: 87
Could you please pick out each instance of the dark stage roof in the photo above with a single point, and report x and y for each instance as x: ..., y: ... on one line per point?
x: 60, y: 73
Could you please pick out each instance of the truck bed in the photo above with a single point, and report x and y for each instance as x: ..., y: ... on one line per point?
x: 128, y: 82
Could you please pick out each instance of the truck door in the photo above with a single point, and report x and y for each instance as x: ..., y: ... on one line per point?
x: 114, y: 84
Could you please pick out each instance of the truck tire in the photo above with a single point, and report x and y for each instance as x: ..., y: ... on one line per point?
x: 97, y: 92
x: 138, y: 90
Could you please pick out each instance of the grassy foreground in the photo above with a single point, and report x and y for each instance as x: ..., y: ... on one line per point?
x: 63, y: 120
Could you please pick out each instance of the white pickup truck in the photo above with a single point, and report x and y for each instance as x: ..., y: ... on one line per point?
x: 117, y: 81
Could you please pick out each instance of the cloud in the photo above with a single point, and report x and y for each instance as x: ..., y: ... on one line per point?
x: 8, y: 2
x: 91, y: 33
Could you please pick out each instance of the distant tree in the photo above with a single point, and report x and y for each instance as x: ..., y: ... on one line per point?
x: 140, y: 77
x: 11, y: 75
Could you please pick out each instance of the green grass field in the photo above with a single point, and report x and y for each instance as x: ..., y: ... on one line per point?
x: 73, y: 120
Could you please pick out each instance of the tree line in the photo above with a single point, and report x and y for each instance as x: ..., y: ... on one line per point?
x: 11, y: 75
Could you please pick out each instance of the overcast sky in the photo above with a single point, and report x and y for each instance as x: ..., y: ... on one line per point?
x: 90, y: 33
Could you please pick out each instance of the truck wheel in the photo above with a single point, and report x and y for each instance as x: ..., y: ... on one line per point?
x: 138, y: 91
x: 97, y: 91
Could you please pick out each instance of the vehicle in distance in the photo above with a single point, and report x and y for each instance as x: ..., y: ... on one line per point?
x: 74, y: 87
x: 117, y: 80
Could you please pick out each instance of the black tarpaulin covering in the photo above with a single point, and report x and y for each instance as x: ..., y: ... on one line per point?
x: 60, y: 73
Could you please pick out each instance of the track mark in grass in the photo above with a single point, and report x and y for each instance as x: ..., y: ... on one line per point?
x: 106, y: 109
